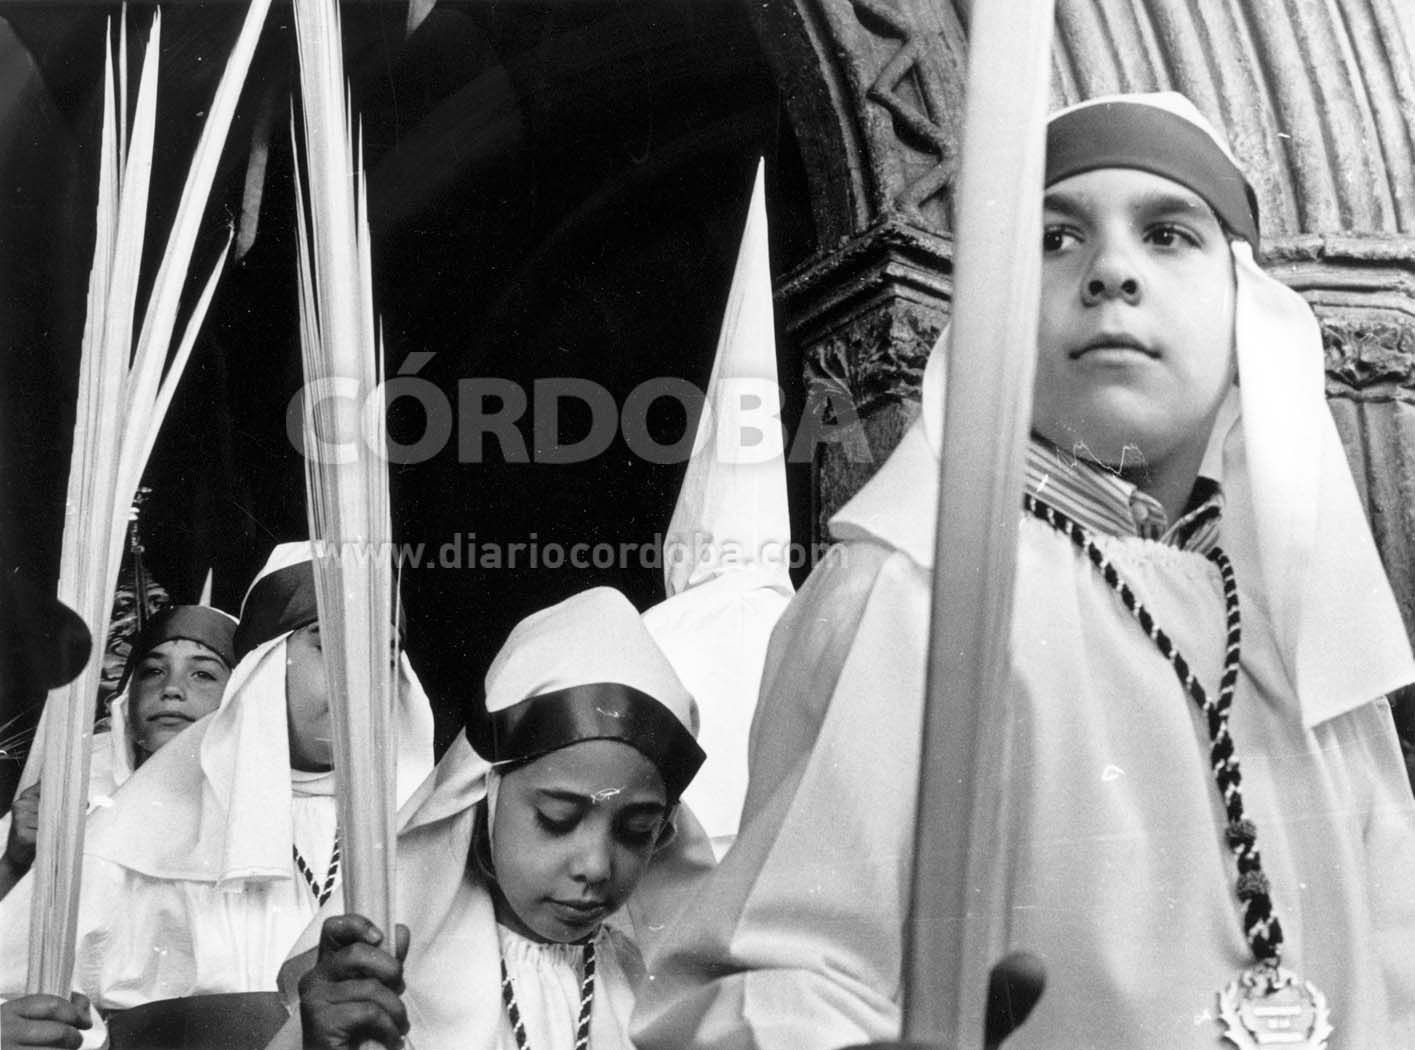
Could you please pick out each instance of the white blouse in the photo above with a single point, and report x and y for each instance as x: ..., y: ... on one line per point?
x: 547, y: 980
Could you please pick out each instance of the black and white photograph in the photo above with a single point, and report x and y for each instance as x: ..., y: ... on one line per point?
x: 707, y: 524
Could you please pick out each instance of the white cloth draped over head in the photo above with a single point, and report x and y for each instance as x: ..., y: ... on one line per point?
x: 451, y: 971
x: 215, y: 804
x: 726, y: 552
x: 588, y: 669
x: 1288, y: 494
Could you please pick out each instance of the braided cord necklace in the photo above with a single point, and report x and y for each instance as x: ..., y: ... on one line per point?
x: 321, y: 893
x: 1265, y: 1004
x: 582, y: 1027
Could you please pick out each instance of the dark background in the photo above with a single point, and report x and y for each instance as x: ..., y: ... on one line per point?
x: 556, y: 189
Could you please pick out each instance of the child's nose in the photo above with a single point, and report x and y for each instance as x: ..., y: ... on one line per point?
x: 1111, y: 276
x: 591, y: 862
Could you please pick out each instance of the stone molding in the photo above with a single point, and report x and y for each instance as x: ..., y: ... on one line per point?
x: 1362, y: 290
x: 867, y: 314
x: 865, y: 318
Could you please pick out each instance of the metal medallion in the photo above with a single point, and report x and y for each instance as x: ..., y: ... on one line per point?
x: 1269, y: 1006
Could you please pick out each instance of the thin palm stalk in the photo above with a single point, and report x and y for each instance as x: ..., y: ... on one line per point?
x: 960, y: 854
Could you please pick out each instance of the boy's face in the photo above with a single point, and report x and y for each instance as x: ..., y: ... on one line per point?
x: 1135, y: 343
x: 307, y: 702
x: 573, y: 834
x: 173, y: 685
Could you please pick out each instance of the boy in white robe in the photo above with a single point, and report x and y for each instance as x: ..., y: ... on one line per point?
x: 1178, y: 409
x: 517, y: 854
x: 218, y: 850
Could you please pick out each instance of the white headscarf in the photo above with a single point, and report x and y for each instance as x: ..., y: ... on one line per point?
x: 1293, y: 522
x: 214, y: 804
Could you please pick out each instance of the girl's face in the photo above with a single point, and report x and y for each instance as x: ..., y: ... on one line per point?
x: 307, y: 702
x: 573, y: 834
x: 175, y: 684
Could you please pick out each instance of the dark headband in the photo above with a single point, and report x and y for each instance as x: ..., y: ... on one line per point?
x: 1135, y: 135
x: 279, y: 603
x: 282, y: 602
x: 598, y: 711
x: 194, y: 623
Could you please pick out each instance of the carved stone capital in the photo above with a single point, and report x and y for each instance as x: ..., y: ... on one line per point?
x: 867, y: 314
x: 1370, y: 358
x: 1362, y: 289
x: 865, y: 317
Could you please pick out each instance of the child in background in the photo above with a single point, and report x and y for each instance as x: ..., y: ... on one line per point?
x: 512, y: 859
x: 176, y: 676
x: 177, y: 670
x: 220, y: 848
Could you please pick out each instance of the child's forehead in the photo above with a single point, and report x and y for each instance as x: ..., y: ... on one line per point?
x: 1154, y: 139
x: 1125, y: 184
x: 1127, y: 190
x: 182, y: 647
x: 599, y: 770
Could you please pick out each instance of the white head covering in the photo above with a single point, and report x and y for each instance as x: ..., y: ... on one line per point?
x: 587, y: 669
x: 727, y: 550
x: 1293, y: 522
x: 214, y: 804
x: 591, y: 639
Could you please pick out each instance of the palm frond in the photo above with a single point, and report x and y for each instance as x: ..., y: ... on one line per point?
x: 348, y: 498
x: 125, y: 388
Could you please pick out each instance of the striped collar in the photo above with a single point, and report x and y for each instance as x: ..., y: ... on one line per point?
x: 1106, y: 503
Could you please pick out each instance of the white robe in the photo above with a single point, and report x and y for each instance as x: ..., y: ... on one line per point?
x: 1120, y: 879
x: 143, y: 938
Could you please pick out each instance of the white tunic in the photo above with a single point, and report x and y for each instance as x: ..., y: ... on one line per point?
x: 143, y: 938
x: 1120, y: 879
